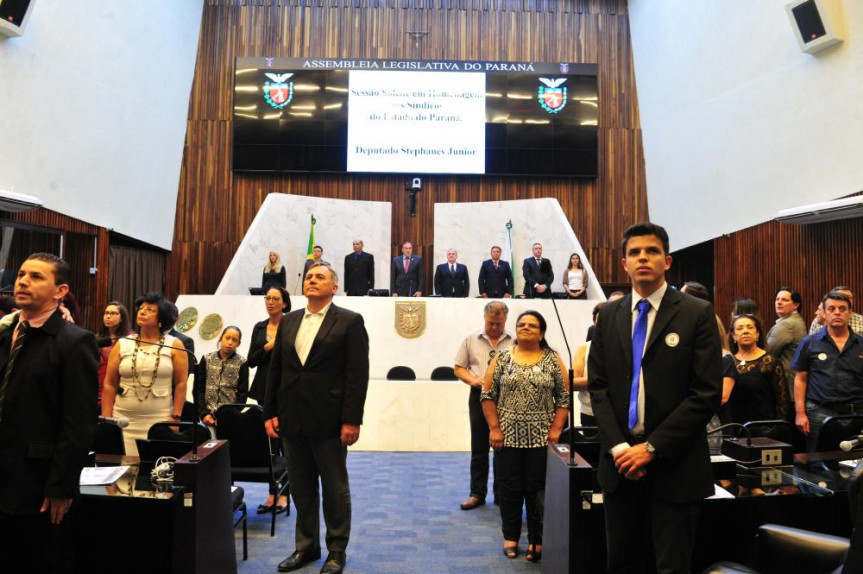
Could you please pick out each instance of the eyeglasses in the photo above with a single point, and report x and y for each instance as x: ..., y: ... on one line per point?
x: 273, y: 299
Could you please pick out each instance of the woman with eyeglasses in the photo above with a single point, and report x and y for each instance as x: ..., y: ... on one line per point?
x: 115, y: 324
x: 525, y: 400
x: 277, y: 302
x: 759, y: 391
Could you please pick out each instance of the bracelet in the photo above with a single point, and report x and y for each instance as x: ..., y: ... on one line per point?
x: 176, y: 417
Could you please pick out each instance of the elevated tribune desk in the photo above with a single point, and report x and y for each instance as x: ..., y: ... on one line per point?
x: 135, y: 525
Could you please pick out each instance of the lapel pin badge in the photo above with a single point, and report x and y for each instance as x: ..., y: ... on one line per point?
x: 672, y: 339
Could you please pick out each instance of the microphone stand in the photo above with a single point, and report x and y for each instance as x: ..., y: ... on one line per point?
x: 194, y: 457
x: 571, y: 374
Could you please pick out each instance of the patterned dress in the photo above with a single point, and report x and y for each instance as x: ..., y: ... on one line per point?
x: 526, y: 397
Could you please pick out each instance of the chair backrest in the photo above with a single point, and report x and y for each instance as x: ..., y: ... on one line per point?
x: 780, y: 430
x: 401, y: 373
x: 108, y: 439
x: 163, y: 431
x: 189, y: 413
x: 443, y: 374
x: 854, y: 560
x: 243, y: 427
x: 836, y: 429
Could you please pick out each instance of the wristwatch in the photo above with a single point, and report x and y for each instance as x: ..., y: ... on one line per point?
x: 650, y: 448
x: 176, y: 417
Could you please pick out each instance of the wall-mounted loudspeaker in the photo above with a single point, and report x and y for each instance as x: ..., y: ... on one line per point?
x: 14, y: 15
x: 815, y: 23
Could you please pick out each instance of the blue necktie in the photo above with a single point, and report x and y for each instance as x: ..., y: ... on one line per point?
x: 639, y: 335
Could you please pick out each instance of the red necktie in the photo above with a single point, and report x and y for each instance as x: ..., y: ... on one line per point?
x: 407, y: 264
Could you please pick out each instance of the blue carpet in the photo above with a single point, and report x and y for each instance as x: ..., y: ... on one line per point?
x: 406, y: 518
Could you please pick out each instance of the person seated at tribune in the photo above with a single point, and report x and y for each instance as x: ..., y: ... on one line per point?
x: 407, y: 274
x: 495, y: 277
x: 538, y: 275
x: 274, y: 273
x: 451, y: 278
x: 317, y: 253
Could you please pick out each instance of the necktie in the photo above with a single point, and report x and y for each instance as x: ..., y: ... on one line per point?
x: 495, y: 265
x: 452, y: 270
x: 13, y: 354
x: 639, y: 334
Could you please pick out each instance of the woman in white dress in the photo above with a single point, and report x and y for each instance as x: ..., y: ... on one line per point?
x: 146, y: 377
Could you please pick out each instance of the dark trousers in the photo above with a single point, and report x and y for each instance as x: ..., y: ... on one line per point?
x: 479, y: 448
x: 43, y: 548
x: 634, y: 517
x: 520, y: 474
x: 308, y: 460
x: 587, y: 420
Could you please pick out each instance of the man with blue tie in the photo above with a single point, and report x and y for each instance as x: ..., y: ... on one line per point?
x: 655, y: 379
x: 451, y: 278
x: 495, y: 277
x: 407, y: 275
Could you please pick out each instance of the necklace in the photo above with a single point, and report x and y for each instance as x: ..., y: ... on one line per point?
x: 748, y: 357
x: 139, y: 384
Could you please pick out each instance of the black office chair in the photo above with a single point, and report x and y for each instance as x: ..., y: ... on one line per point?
x: 837, y: 429
x: 239, y: 505
x: 780, y: 549
x: 780, y: 430
x: 254, y: 455
x: 443, y: 374
x: 189, y: 414
x: 401, y: 373
x: 164, y: 431
x: 108, y: 439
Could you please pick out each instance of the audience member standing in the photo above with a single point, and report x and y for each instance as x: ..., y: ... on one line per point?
x: 538, y: 274
x: 758, y: 392
x: 471, y: 362
x: 221, y: 377
x: 787, y: 332
x: 579, y: 376
x: 655, y: 381
x: 47, y: 418
x: 855, y: 323
x: 829, y: 365
x: 451, y: 278
x: 359, y: 271
x: 526, y: 402
x: 495, y: 277
x: 115, y: 324
x: 407, y: 275
x: 316, y: 392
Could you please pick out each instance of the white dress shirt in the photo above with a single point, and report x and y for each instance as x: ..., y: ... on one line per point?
x: 308, y: 330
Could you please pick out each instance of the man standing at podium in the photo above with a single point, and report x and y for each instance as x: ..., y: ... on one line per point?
x: 359, y: 271
x: 316, y: 391
x: 655, y: 379
x: 451, y: 278
x: 407, y: 275
x: 48, y: 410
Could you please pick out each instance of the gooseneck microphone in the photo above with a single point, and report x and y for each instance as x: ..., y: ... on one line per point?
x: 121, y: 422
x: 571, y: 394
x: 849, y: 445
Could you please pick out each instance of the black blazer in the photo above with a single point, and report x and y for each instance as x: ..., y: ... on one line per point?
x: 259, y: 358
x: 534, y: 273
x: 189, y: 345
x: 406, y: 284
x: 359, y: 273
x: 315, y: 399
x: 273, y: 279
x: 495, y: 282
x: 448, y: 285
x: 682, y: 369
x: 49, y: 414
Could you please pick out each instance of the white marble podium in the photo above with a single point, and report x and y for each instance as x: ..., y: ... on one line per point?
x: 420, y: 415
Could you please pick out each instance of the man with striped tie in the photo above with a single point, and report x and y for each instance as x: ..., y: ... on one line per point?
x: 48, y: 414
x: 655, y: 379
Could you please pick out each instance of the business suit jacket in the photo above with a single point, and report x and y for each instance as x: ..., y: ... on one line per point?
x: 448, y: 285
x: 406, y: 284
x: 495, y: 282
x: 308, y: 263
x: 315, y: 399
x: 682, y: 368
x: 534, y: 273
x: 359, y: 273
x: 189, y: 345
x: 259, y: 358
x: 49, y: 414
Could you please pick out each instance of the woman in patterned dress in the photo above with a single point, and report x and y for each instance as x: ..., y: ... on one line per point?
x: 525, y: 400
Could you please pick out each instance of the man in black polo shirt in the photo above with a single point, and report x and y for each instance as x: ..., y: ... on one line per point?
x: 829, y: 367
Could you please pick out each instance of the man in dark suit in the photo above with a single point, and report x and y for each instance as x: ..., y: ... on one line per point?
x: 188, y: 342
x: 316, y: 391
x: 655, y: 379
x: 495, y: 277
x: 407, y: 276
x: 451, y: 278
x: 359, y: 271
x: 48, y: 414
x: 538, y: 275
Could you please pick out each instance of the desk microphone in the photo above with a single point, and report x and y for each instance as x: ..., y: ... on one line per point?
x: 849, y: 445
x: 121, y: 422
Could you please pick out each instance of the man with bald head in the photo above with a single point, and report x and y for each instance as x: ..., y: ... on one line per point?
x: 359, y: 271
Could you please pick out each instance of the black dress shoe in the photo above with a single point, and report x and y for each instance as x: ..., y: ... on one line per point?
x: 299, y: 559
x: 335, y: 563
